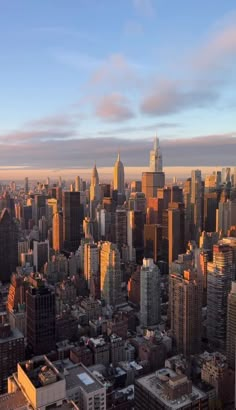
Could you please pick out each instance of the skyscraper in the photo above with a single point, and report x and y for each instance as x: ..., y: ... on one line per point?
x: 119, y: 176
x: 40, y: 254
x: 219, y: 277
x: 40, y: 313
x: 175, y: 230
x: 231, y: 326
x: 110, y: 273
x: 8, y: 245
x: 77, y: 184
x: 26, y: 185
x: 151, y: 181
x: 150, y: 303
x: 121, y: 228
x: 91, y: 263
x: 57, y: 231
x: 185, y: 297
x: 72, y: 219
x: 156, y: 157
x: 196, y: 202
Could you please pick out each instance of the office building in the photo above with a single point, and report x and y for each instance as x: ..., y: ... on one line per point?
x: 185, y: 299
x: 152, y: 241
x: 12, y: 350
x: 78, y: 185
x: 196, y: 203
x: 91, y: 264
x: 209, y: 211
x: 119, y: 176
x: 40, y: 314
x: 121, y: 227
x: 150, y: 303
x: 40, y: 254
x: 219, y: 277
x: 231, y: 327
x: 8, y: 246
x: 176, y: 230
x: 110, y: 273
x: 57, y: 232
x: 72, y: 219
x: 164, y: 390
x: 151, y: 181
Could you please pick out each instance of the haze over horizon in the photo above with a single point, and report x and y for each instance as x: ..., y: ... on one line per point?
x: 80, y: 83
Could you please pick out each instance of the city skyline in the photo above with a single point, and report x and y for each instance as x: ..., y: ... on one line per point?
x: 98, y: 77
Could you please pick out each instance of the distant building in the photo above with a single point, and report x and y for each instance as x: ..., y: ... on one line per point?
x: 119, y: 177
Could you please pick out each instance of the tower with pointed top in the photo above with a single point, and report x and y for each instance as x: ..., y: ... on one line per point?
x: 156, y: 157
x: 119, y: 176
x: 94, y: 187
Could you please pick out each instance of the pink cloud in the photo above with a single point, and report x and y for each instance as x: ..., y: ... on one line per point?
x: 219, y: 48
x: 113, y: 107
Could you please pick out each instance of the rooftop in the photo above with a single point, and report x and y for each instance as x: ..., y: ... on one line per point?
x: 79, y: 375
x: 13, y: 401
x: 41, y: 371
x: 155, y: 383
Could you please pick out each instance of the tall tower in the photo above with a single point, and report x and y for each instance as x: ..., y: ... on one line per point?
x: 175, y: 230
x: 40, y: 313
x: 156, y: 157
x: 231, y: 326
x: 91, y: 263
x: 94, y: 187
x: 150, y: 303
x: 219, y: 277
x: 196, y: 202
x: 71, y: 220
x: 185, y: 311
x: 57, y: 231
x: 110, y: 273
x: 119, y: 176
x: 8, y: 246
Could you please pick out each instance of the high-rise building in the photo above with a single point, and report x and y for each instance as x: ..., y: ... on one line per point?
x: 226, y: 216
x: 72, y: 218
x: 231, y: 326
x: 209, y: 212
x: 40, y: 254
x: 110, y: 273
x: 57, y: 232
x: 196, y: 203
x: 176, y: 240
x: 150, y: 303
x: 219, y: 277
x: 156, y: 157
x: 119, y: 176
x: 12, y: 350
x: 39, y: 207
x: 77, y: 184
x: 151, y: 181
x: 94, y: 186
x: 135, y: 233
x: 185, y: 298
x: 121, y: 227
x: 40, y: 314
x: 26, y: 185
x: 152, y: 241
x: 91, y: 263
x: 8, y: 245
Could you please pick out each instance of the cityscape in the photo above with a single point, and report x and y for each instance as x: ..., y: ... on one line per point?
x: 118, y: 209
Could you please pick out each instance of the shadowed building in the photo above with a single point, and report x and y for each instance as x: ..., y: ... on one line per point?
x: 8, y: 246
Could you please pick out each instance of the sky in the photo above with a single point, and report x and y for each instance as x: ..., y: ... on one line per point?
x: 83, y: 79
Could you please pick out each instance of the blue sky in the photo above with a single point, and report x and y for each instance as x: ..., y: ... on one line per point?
x: 101, y: 71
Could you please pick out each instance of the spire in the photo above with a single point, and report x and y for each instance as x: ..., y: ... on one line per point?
x: 156, y: 143
x: 118, y: 156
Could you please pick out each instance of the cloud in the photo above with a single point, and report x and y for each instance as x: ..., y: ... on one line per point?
x: 113, y: 107
x: 167, y: 97
x: 135, y: 129
x: 218, y: 49
x: 79, y: 153
x: 116, y: 71
x: 144, y: 7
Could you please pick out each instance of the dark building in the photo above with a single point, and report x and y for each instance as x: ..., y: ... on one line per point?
x: 176, y: 230
x: 121, y: 228
x: 40, y: 207
x: 176, y: 194
x: 209, y: 212
x: 40, y: 316
x: 12, y: 351
x: 72, y: 218
x: 8, y: 245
